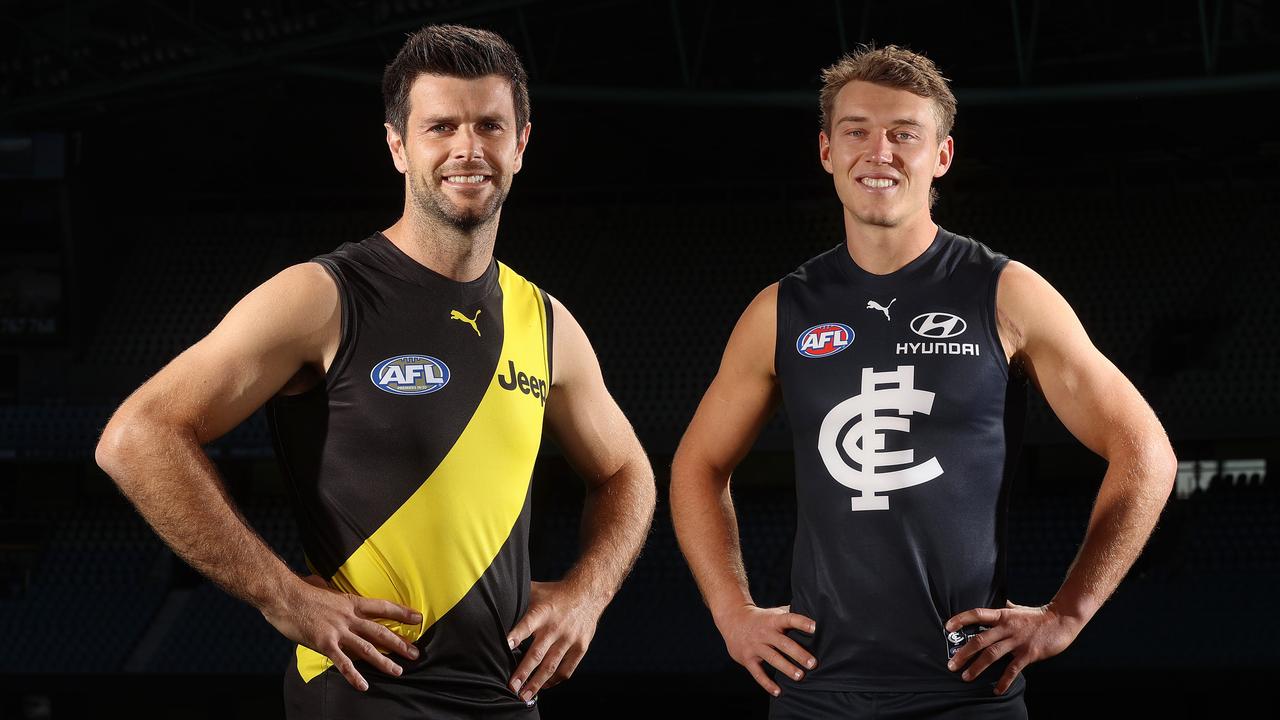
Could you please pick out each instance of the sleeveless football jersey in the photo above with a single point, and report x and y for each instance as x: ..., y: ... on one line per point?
x: 410, y: 465
x: 906, y: 426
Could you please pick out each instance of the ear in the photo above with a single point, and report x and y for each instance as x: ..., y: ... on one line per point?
x: 946, y: 153
x: 522, y: 142
x: 824, y: 151
x: 395, y: 144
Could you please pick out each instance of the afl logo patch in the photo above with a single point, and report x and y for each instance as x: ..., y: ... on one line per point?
x: 410, y: 375
x: 824, y: 340
x: 937, y: 325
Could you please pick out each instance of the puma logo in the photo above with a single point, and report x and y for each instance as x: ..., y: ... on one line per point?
x: 455, y: 315
x: 873, y: 305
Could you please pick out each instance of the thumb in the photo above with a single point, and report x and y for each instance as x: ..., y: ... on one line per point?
x: 316, y: 581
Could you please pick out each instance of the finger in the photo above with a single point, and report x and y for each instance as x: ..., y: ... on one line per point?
x: 799, y: 622
x: 780, y: 663
x: 526, y: 626
x: 795, y: 651
x: 762, y: 677
x: 977, y: 616
x: 568, y: 664
x: 984, y: 659
x: 365, y: 650
x: 975, y: 645
x: 1009, y: 604
x: 531, y: 660
x: 375, y: 609
x: 548, y: 667
x: 348, y: 669
x: 382, y: 637
x: 1006, y: 680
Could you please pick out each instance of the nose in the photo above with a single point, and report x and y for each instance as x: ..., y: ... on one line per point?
x: 467, y: 144
x: 881, y: 150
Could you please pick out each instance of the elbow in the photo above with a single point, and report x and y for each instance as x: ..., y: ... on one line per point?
x: 113, y: 447
x: 1168, y: 466
x: 1159, y: 465
x: 120, y: 444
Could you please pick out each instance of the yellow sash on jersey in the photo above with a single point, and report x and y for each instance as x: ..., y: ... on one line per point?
x: 435, y: 547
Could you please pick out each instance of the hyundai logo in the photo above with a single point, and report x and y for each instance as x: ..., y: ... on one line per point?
x: 938, y: 325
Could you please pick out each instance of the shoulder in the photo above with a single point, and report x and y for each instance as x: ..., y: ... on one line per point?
x: 302, y: 290
x: 762, y: 312
x: 1028, y: 307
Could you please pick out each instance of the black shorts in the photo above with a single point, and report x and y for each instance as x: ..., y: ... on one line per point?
x: 980, y: 703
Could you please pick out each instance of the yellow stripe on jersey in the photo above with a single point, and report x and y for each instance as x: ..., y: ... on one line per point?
x: 435, y: 547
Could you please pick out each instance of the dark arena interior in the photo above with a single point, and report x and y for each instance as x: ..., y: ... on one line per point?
x: 159, y: 160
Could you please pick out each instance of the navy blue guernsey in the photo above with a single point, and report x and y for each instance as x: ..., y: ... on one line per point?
x: 906, y: 427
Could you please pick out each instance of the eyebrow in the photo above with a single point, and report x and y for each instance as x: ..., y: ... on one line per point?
x: 899, y: 121
x: 452, y: 120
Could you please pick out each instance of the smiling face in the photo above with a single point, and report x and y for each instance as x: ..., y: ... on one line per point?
x: 884, y: 153
x: 460, y: 148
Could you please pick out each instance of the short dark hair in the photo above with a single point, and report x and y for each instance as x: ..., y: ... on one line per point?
x: 894, y: 67
x: 454, y: 51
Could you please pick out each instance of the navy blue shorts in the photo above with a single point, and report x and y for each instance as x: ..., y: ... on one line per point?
x: 980, y: 703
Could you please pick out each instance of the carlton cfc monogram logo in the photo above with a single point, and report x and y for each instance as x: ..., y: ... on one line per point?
x: 863, y: 442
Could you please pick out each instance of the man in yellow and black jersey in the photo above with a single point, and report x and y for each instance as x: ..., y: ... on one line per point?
x: 408, y: 377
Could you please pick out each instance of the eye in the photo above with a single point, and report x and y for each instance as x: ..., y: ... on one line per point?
x: 856, y: 132
x: 492, y: 127
x: 438, y: 128
x: 904, y: 136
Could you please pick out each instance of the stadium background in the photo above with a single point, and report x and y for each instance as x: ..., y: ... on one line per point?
x: 158, y: 160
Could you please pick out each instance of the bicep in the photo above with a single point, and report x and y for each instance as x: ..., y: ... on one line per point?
x: 582, y: 416
x: 1087, y: 392
x: 275, y: 330
x: 742, y: 396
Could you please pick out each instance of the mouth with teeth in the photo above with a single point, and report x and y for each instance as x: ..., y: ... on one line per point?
x: 878, y: 183
x: 467, y: 180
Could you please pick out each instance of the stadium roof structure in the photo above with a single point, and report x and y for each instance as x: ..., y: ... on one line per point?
x: 62, y: 60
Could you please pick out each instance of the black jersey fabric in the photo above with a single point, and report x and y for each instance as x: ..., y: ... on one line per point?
x: 409, y: 468
x: 974, y: 703
x: 906, y: 425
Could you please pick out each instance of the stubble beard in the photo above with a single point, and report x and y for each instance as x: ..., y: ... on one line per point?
x: 430, y: 199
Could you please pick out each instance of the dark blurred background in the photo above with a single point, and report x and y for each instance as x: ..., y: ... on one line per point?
x: 159, y: 159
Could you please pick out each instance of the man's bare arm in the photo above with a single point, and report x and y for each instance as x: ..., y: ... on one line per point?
x: 1105, y: 412
x: 740, y: 400
x: 603, y: 449
x: 152, y: 448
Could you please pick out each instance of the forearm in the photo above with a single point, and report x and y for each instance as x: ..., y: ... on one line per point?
x: 616, y: 518
x: 173, y: 484
x: 707, y: 530
x: 1133, y: 493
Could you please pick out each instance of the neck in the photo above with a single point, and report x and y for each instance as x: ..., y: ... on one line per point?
x: 456, y: 254
x: 882, y: 250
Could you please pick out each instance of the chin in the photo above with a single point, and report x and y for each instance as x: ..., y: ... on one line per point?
x: 878, y: 219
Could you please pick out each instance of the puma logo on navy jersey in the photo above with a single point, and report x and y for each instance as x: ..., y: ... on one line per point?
x: 528, y: 384
x: 410, y: 375
x: 873, y: 305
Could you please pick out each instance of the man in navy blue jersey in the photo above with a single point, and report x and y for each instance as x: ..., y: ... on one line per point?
x: 902, y: 356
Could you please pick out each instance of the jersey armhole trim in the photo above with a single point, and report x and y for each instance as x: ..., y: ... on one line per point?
x: 549, y: 314
x: 991, y: 320
x: 347, y: 333
x: 779, y: 322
